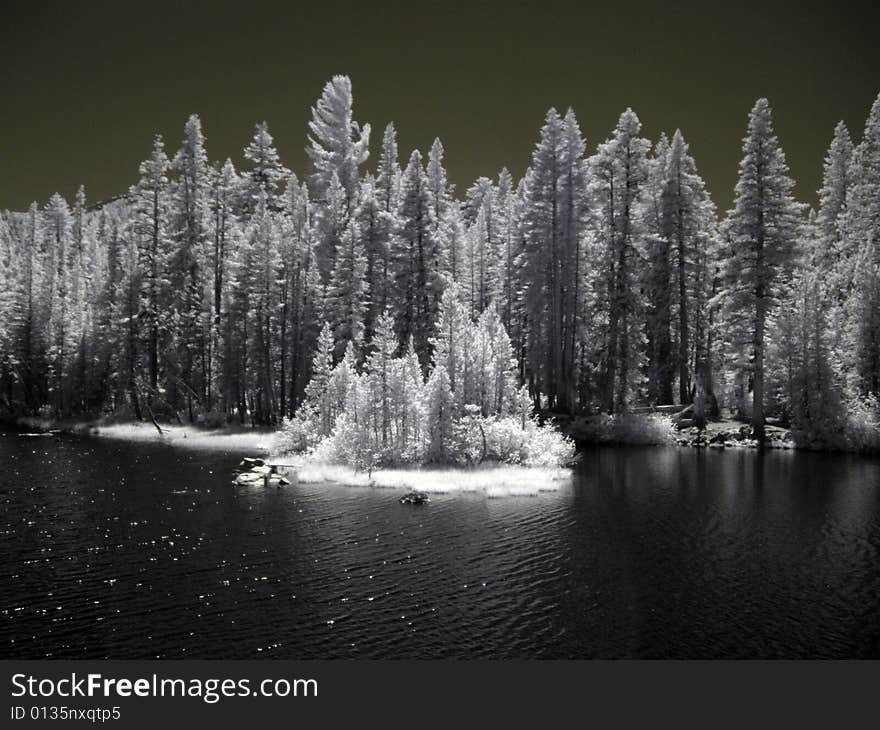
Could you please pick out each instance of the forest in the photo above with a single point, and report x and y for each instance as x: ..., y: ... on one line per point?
x: 602, y: 280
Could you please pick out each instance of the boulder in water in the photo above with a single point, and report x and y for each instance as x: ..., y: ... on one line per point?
x: 414, y: 498
x: 249, y: 478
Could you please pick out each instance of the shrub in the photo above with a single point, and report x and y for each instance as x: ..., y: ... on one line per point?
x: 214, y: 419
x: 863, y: 424
x: 297, y: 434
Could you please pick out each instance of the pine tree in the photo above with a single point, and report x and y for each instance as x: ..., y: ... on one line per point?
x: 451, y: 342
x: 388, y: 173
x: 266, y: 176
x: 300, y: 294
x: 345, y: 294
x: 61, y: 340
x: 417, y: 283
x: 258, y: 277
x: 863, y: 325
x: 658, y: 282
x: 190, y: 217
x: 379, y: 370
x: 337, y: 144
x: 508, y: 250
x: 83, y: 265
x: 375, y: 232
x: 553, y: 202
x: 480, y: 254
x: 322, y: 367
x: 541, y: 244
x: 830, y: 254
x: 150, y: 226
x: 438, y: 415
x: 494, y: 364
x: 409, y: 397
x: 455, y: 234
x: 687, y: 219
x: 815, y: 409
x: 570, y: 267
x: 860, y: 226
x: 762, y: 248
x: 111, y: 323
x: 440, y: 199
x: 478, y: 197
x: 619, y: 171
x: 30, y: 312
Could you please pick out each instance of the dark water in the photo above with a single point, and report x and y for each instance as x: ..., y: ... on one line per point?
x: 122, y: 550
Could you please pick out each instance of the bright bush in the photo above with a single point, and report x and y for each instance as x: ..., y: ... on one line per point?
x: 385, y: 413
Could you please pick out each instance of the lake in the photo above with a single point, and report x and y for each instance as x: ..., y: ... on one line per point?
x: 133, y: 550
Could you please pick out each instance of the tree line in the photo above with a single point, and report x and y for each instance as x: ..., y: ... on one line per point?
x: 201, y: 293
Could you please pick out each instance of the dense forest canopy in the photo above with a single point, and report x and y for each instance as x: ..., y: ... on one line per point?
x: 202, y: 293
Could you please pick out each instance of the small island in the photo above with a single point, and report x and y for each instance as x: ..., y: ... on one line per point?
x: 466, y: 426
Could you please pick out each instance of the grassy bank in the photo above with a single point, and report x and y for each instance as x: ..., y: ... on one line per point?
x: 229, y: 438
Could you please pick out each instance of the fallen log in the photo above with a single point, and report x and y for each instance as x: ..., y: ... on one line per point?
x: 686, y: 413
x: 666, y: 409
x: 153, y: 419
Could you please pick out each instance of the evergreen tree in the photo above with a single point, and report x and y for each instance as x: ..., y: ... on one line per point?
x: 266, y: 176
x: 619, y: 170
x: 56, y: 228
x: 190, y: 219
x: 317, y: 389
x: 30, y: 312
x: 658, y: 280
x: 379, y: 370
x: 337, y: 144
x: 687, y: 219
x: 300, y: 292
x: 861, y: 222
x: 345, y: 294
x: 417, y: 282
x: 830, y: 253
x: 861, y: 227
x: 375, y: 230
x: 388, y: 173
x: 762, y: 247
x: 150, y: 226
x: 439, y: 203
x: 439, y: 409
x: 508, y: 250
x: 452, y: 342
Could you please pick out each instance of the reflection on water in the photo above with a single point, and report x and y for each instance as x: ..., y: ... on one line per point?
x: 133, y: 550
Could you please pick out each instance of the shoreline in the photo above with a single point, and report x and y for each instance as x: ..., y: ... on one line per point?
x: 196, y: 436
x: 655, y: 430
x: 492, y: 479
x: 646, y: 429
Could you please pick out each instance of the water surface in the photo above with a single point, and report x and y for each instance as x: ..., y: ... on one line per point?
x: 121, y: 550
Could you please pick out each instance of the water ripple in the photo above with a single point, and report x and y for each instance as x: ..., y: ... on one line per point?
x: 121, y: 550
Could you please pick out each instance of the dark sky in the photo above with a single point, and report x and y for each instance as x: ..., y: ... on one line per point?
x: 84, y: 86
